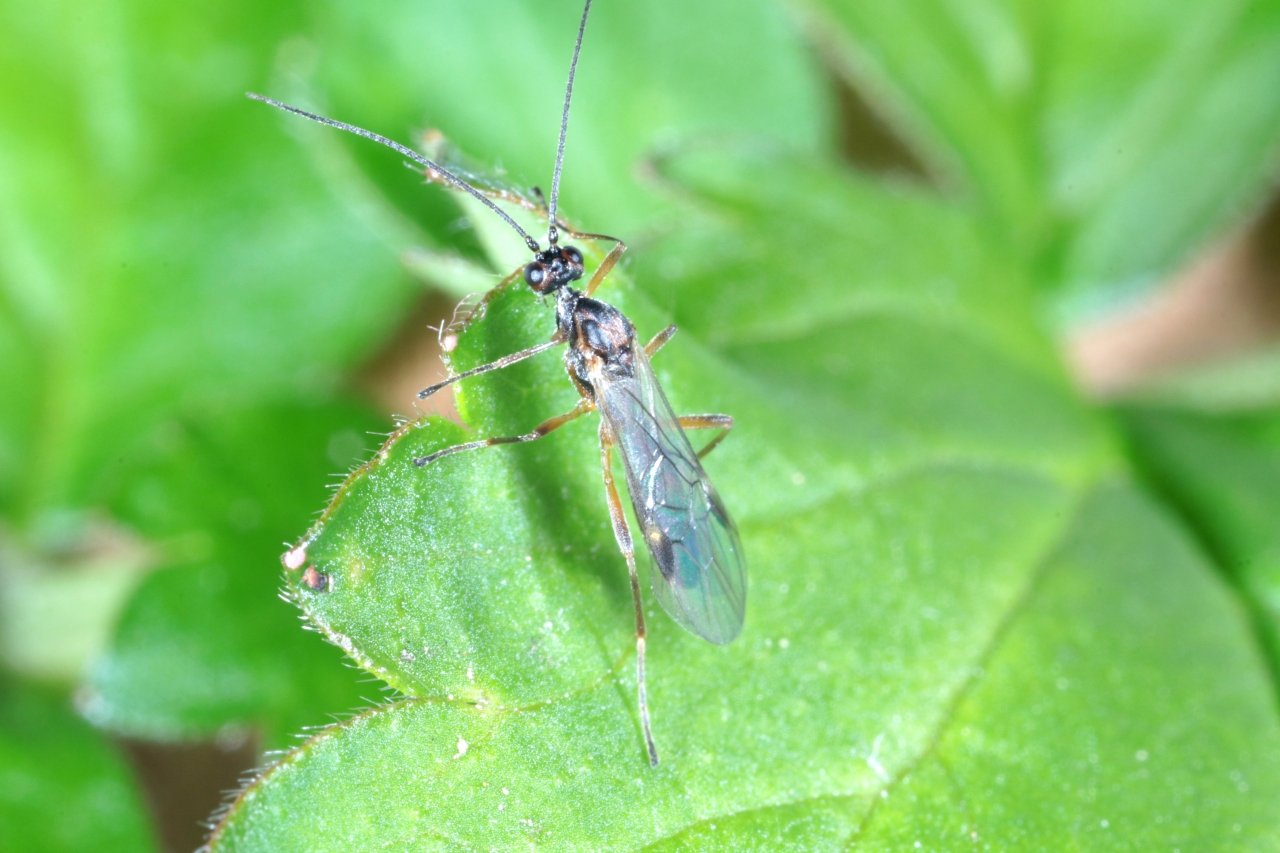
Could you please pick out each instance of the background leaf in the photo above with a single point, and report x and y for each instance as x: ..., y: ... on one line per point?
x: 61, y: 787
x: 206, y: 643
x: 1223, y: 473
x: 1106, y: 143
x: 169, y: 302
x: 497, y: 72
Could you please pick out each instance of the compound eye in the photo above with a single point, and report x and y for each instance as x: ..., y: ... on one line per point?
x: 573, y: 254
x: 535, y: 274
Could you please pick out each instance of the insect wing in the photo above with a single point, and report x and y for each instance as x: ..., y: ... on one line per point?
x: 701, y: 576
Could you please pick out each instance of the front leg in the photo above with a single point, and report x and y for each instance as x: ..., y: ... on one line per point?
x: 607, y: 264
x: 505, y: 361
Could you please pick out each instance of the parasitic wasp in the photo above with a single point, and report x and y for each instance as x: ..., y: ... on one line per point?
x: 701, y: 574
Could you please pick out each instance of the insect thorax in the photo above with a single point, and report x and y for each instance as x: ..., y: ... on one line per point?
x: 601, y: 339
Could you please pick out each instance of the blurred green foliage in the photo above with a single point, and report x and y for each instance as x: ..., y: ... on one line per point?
x: 62, y: 788
x: 982, y: 611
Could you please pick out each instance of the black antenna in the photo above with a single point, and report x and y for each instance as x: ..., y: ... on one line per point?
x: 552, y: 233
x: 419, y: 159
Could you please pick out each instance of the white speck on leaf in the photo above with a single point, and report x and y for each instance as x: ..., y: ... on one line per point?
x: 463, y: 746
x: 873, y: 760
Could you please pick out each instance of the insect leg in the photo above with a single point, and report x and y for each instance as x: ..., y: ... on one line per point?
x: 548, y: 426
x: 724, y: 423
x: 623, y: 534
x: 659, y: 341
x: 607, y: 264
x: 505, y: 361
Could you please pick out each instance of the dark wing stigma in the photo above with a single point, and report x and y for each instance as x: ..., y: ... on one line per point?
x: 700, y: 575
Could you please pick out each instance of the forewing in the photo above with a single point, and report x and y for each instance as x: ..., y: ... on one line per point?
x: 700, y: 574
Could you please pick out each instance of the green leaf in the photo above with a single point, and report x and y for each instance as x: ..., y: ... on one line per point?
x: 1034, y: 697
x: 898, y: 539
x: 62, y: 787
x: 1223, y: 473
x: 1107, y: 141
x: 18, y: 378
x: 830, y: 291
x: 789, y: 711
x: 206, y: 643
x: 160, y: 240
x: 796, y: 236
x: 1121, y: 709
